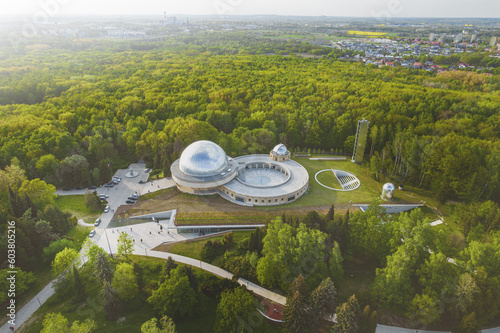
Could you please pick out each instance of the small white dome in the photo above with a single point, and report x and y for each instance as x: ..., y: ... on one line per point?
x: 203, y: 158
x: 280, y: 150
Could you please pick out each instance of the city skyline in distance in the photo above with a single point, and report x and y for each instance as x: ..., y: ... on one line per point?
x: 357, y: 8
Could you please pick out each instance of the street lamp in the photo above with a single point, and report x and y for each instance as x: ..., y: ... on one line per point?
x: 109, y: 245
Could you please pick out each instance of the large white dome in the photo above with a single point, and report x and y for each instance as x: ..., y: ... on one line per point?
x: 203, y: 158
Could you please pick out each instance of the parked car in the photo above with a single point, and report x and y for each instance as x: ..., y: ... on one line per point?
x: 67, y: 189
x: 106, y: 209
x: 92, y: 187
x: 110, y: 184
x: 115, y: 181
x: 142, y: 181
x: 132, y: 198
x: 79, y: 188
x: 97, y: 222
x: 92, y: 233
x: 135, y: 196
x: 117, y: 178
x: 147, y: 170
x: 130, y: 201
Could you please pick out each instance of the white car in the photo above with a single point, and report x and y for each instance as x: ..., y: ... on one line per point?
x: 92, y: 233
x: 106, y: 209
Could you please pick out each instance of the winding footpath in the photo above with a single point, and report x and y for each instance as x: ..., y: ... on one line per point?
x: 147, y: 236
x: 25, y: 313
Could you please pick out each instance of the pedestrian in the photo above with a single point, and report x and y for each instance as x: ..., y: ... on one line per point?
x: 150, y: 232
x: 141, y: 240
x: 158, y: 186
x: 134, y: 240
x: 130, y: 229
x: 158, y: 232
x: 112, y: 232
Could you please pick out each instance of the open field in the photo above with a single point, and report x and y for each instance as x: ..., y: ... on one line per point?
x: 366, y: 33
x: 75, y: 205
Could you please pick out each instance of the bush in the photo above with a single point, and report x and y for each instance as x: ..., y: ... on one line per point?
x: 211, y: 250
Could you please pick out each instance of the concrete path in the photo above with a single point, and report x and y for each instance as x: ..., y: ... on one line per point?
x: 222, y: 273
x: 149, y: 235
x: 27, y: 310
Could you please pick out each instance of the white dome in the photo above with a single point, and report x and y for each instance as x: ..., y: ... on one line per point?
x: 203, y: 158
x: 280, y: 150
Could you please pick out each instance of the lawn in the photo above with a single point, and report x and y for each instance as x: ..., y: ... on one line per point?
x: 366, y: 33
x: 328, y: 178
x: 75, y: 205
x: 318, y: 195
x: 193, y: 249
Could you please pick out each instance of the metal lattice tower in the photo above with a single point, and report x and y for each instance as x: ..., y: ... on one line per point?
x: 360, y: 143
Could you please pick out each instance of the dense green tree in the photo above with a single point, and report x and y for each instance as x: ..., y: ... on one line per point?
x: 111, y: 301
x: 77, y: 281
x: 323, y: 303
x: 425, y: 309
x: 125, y: 244
x: 233, y: 310
x: 468, y: 324
x: 348, y: 316
x: 166, y: 323
x: 92, y: 201
x: 103, y: 271
x: 22, y: 279
x: 174, y: 297
x: 335, y: 263
x: 169, y: 266
x: 64, y: 260
x: 56, y: 322
x: 125, y: 282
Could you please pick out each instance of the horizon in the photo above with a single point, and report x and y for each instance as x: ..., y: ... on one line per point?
x: 386, y: 9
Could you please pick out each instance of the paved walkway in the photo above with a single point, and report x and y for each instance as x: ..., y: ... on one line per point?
x: 152, y: 236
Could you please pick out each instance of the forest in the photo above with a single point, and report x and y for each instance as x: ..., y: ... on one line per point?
x: 72, y: 112
x: 67, y: 114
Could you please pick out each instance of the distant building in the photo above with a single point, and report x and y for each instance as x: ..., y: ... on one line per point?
x: 432, y: 36
x: 360, y: 143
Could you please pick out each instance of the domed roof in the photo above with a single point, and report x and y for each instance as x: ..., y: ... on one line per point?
x: 389, y: 187
x: 203, y: 158
x: 280, y: 150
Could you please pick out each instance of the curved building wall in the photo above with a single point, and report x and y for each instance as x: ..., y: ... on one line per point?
x: 251, y: 180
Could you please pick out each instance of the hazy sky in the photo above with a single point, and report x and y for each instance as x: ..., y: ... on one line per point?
x: 365, y: 8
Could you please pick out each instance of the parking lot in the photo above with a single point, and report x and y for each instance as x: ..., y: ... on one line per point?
x: 119, y: 193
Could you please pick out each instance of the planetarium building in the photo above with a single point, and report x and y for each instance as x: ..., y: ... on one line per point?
x: 251, y: 180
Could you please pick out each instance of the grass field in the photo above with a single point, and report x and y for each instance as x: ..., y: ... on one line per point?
x: 193, y: 249
x: 367, y: 33
x: 213, y: 209
x: 75, y: 205
x: 327, y: 178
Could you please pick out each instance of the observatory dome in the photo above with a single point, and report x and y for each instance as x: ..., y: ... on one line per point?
x: 280, y: 150
x: 203, y: 158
